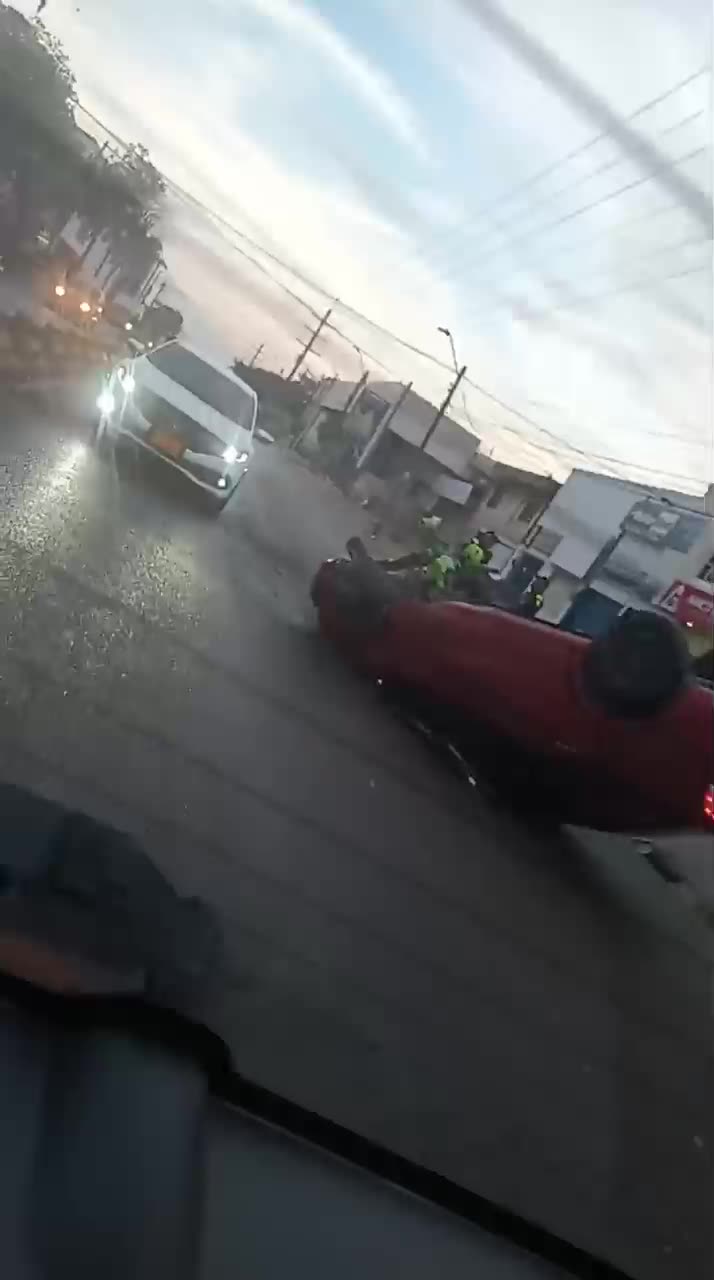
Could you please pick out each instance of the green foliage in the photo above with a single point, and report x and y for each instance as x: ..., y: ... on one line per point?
x: 160, y: 323
x: 55, y: 168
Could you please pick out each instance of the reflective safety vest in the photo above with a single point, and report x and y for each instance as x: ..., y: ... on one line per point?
x: 439, y: 569
x: 473, y: 557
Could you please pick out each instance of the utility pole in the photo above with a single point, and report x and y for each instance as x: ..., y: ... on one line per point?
x: 461, y: 373
x: 309, y: 344
x: 381, y: 427
x: 256, y: 354
x: 356, y: 393
x: 309, y: 420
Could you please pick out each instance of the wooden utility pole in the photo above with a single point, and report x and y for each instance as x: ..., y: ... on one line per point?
x: 356, y: 393
x: 309, y: 344
x: 381, y: 427
x: 444, y: 405
x: 256, y: 353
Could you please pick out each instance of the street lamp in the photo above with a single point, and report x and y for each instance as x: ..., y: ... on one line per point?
x: 85, y: 307
x: 60, y: 290
x: 447, y: 334
x: 128, y: 326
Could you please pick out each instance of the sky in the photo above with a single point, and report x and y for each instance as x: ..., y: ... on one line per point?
x: 493, y: 168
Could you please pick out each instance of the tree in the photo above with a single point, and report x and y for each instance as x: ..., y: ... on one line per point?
x: 46, y: 155
x: 159, y: 324
x: 143, y: 179
x: 36, y: 79
x: 37, y: 93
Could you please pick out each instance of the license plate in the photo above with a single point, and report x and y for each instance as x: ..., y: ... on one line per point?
x: 167, y: 443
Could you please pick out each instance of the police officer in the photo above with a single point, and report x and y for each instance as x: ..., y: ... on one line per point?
x: 532, y: 599
x: 430, y: 570
x: 439, y: 573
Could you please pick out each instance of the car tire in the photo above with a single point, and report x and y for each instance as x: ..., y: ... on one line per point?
x: 638, y: 666
x: 215, y: 506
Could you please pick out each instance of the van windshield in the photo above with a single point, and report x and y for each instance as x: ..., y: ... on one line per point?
x: 205, y: 382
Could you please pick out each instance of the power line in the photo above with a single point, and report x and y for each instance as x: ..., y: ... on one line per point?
x: 503, y: 299
x: 635, y: 286
x: 527, y: 183
x: 649, y: 215
x: 581, y: 97
x: 575, y: 449
x: 403, y: 343
x: 564, y: 218
x: 491, y: 249
x: 304, y: 353
x: 605, y: 167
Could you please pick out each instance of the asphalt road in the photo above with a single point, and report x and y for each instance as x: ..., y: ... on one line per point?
x: 530, y: 1017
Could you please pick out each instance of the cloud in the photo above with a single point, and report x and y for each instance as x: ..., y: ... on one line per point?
x: 302, y: 23
x: 588, y: 102
x: 265, y: 139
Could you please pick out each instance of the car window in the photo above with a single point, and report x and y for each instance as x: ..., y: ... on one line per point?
x: 352, y: 680
x: 204, y: 381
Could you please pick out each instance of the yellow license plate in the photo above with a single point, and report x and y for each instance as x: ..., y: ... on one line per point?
x: 167, y: 443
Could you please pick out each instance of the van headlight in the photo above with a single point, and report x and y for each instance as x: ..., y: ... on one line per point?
x: 231, y: 455
x: 106, y: 401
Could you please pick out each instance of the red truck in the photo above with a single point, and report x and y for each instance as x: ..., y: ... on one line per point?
x: 613, y: 733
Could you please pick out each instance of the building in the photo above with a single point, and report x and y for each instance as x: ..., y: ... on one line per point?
x: 125, y: 273
x: 607, y: 544
x: 509, y: 501
x: 371, y: 438
x: 280, y: 402
x: 690, y: 599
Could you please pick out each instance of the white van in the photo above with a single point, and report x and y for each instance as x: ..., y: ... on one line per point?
x: 196, y: 416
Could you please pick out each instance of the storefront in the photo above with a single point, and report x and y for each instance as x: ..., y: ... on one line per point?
x: 692, y: 604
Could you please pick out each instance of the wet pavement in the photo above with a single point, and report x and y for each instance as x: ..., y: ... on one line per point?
x: 531, y: 1017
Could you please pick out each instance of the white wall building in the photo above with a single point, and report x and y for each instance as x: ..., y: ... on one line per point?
x: 667, y: 536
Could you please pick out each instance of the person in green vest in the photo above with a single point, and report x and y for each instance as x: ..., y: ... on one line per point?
x: 531, y: 601
x: 439, y: 573
x: 471, y: 577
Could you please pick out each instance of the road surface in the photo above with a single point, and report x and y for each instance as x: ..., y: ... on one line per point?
x: 531, y: 1018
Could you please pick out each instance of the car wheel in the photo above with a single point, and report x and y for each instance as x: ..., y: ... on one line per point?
x: 638, y: 666
x: 213, y: 506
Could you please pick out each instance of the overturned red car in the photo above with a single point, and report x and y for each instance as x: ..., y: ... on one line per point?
x: 613, y: 733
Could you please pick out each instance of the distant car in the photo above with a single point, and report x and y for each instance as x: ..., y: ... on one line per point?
x: 196, y: 416
x: 613, y: 733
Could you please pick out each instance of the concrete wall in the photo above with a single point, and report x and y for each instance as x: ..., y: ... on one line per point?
x: 558, y: 596
x: 589, y: 510
x: 585, y: 513
x: 505, y: 517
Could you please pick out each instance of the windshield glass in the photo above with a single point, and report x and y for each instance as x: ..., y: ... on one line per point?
x: 414, y: 689
x: 205, y: 382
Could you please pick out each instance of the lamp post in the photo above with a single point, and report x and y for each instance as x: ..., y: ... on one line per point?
x: 448, y: 334
x: 460, y: 374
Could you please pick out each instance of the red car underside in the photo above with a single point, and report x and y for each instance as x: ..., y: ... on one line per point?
x: 513, y: 688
